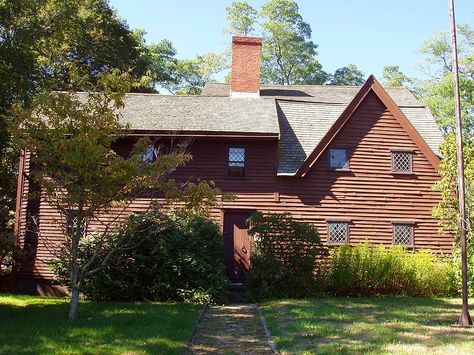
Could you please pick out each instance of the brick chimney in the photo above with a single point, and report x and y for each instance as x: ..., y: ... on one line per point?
x: 245, y: 77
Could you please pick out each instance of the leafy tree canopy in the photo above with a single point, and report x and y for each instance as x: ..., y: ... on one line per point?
x: 437, y: 91
x: 348, y: 75
x: 393, y: 77
x: 241, y: 19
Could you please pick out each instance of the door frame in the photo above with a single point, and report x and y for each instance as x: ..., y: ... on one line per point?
x: 250, y: 211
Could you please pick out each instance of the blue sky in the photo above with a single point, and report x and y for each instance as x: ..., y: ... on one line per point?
x: 367, y: 33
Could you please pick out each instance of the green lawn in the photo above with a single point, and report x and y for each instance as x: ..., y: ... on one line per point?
x: 395, y: 325
x: 40, y: 325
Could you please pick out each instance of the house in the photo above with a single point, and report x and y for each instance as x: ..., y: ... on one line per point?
x: 357, y: 162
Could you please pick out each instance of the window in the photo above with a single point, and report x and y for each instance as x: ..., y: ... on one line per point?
x: 236, y: 162
x: 149, y: 156
x: 402, y: 162
x: 403, y: 234
x: 338, y: 232
x: 338, y: 158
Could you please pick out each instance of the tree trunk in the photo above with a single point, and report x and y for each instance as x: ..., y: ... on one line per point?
x: 74, y: 271
x: 74, y: 303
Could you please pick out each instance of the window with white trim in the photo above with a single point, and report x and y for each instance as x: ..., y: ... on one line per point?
x: 338, y: 158
x: 338, y: 232
x: 236, y: 162
x: 402, y: 162
x: 403, y: 234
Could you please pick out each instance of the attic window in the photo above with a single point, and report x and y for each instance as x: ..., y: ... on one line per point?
x: 402, y: 161
x: 236, y: 162
x: 338, y: 159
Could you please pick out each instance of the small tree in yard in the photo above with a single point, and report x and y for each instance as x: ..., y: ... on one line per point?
x: 70, y: 137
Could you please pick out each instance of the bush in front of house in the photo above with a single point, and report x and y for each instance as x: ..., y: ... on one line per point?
x: 365, y: 270
x: 171, y: 259
x: 285, y: 259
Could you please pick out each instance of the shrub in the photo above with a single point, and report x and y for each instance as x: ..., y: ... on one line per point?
x: 377, y: 270
x: 285, y: 257
x: 173, y: 259
x: 9, y: 251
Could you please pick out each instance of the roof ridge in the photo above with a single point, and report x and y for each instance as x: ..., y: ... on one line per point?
x: 312, y: 85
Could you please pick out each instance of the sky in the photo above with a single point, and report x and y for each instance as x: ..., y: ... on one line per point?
x: 367, y: 33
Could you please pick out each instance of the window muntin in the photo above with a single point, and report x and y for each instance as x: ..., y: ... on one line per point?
x: 402, y: 162
x: 403, y: 234
x: 338, y: 232
x: 236, y: 161
x: 338, y: 158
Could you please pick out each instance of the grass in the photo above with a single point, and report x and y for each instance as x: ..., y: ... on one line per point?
x: 32, y: 325
x: 395, y: 325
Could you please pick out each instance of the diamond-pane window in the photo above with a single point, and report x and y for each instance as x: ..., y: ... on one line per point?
x: 403, y: 234
x: 338, y: 158
x: 338, y: 232
x: 236, y: 162
x: 402, y: 162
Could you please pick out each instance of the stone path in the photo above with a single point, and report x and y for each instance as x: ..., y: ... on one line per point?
x: 234, y: 329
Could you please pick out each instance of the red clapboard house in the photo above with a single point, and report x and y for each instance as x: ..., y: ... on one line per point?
x: 357, y: 162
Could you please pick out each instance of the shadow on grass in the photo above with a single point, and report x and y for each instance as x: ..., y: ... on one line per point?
x: 41, y: 326
x: 369, y: 325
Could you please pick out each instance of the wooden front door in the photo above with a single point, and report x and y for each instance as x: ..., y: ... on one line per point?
x: 237, y: 244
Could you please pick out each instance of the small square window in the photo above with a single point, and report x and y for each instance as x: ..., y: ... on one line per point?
x: 236, y: 162
x: 402, y: 162
x: 338, y: 158
x: 338, y: 232
x: 403, y: 234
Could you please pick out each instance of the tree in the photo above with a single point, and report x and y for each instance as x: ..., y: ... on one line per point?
x: 393, y: 77
x: 447, y: 211
x: 288, y: 53
x: 40, y: 40
x: 348, y: 75
x: 190, y: 75
x: 79, y: 173
x: 241, y: 19
x: 437, y: 90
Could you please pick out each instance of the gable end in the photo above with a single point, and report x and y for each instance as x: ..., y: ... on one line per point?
x: 370, y: 85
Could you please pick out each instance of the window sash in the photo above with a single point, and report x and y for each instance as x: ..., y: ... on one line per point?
x: 402, y: 162
x: 338, y: 232
x: 338, y: 158
x: 403, y: 234
x: 236, y: 158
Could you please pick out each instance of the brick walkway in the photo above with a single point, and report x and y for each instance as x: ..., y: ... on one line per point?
x: 234, y: 329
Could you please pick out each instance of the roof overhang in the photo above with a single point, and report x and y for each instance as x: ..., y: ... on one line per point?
x: 214, y: 134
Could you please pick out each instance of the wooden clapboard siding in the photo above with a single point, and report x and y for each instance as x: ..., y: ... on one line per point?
x: 370, y: 195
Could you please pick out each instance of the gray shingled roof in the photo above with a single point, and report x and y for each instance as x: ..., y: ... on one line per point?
x: 306, y: 112
x: 179, y: 113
